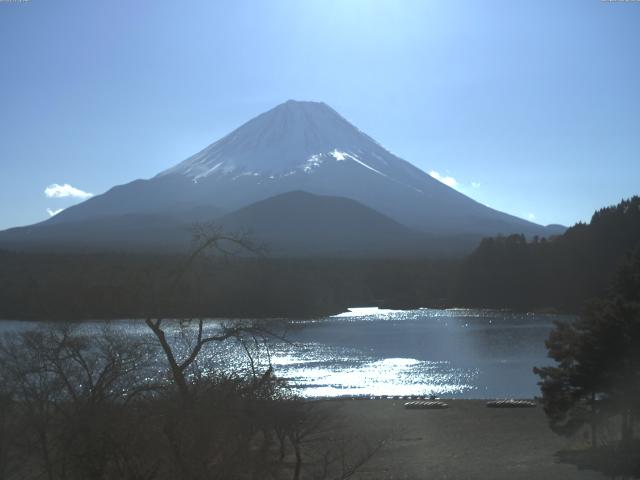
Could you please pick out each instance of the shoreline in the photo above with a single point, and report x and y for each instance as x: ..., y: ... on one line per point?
x: 552, y: 311
x: 399, y: 398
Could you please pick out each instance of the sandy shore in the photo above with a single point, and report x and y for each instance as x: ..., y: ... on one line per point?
x: 465, y: 441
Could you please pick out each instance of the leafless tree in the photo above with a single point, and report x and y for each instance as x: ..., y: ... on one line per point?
x: 208, y: 240
x: 66, y: 391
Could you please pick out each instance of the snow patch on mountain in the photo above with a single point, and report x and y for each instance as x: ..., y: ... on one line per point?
x: 206, y: 173
x: 339, y: 156
x: 312, y: 163
x: 342, y: 156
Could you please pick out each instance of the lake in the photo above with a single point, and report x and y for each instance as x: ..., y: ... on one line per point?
x: 461, y: 353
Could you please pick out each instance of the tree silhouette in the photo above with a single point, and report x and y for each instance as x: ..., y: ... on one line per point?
x: 597, y: 375
x: 561, y: 273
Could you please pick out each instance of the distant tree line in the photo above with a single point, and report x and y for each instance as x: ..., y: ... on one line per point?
x: 560, y: 273
x: 75, y: 287
x: 513, y: 272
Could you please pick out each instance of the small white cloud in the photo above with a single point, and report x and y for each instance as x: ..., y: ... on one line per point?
x: 59, y: 191
x: 54, y: 212
x: 531, y: 217
x: 449, y: 181
x: 475, y: 184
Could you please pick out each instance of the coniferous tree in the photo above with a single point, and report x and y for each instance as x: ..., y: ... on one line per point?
x: 597, y: 375
x: 561, y: 272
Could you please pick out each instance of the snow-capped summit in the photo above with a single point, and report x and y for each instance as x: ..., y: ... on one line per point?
x: 294, y: 137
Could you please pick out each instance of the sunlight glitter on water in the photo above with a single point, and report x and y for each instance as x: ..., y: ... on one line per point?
x: 390, y: 376
x: 457, y: 352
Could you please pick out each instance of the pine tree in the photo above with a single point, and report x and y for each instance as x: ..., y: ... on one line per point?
x: 597, y: 374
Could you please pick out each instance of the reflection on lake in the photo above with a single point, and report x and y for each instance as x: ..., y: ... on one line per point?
x: 461, y: 353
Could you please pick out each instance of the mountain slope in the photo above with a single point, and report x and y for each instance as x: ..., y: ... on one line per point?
x: 290, y: 224
x: 139, y: 232
x: 299, y: 223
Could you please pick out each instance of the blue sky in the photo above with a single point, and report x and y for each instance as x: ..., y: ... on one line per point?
x: 533, y: 107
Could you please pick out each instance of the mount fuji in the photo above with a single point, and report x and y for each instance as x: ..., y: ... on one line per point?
x: 295, y: 147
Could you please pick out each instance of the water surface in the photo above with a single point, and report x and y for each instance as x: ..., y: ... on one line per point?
x: 462, y: 353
